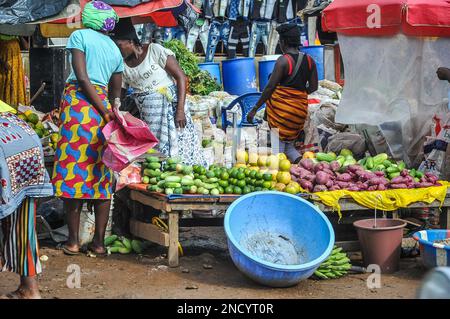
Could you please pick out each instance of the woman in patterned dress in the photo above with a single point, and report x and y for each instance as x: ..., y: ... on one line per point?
x: 79, y: 173
x: 159, y: 86
x: 23, y: 178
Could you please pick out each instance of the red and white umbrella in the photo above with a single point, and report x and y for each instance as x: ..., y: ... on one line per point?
x: 388, y: 17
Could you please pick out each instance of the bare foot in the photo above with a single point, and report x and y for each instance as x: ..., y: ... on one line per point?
x: 22, y: 294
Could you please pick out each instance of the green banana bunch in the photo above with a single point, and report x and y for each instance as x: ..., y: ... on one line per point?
x: 336, y: 266
x: 123, y: 245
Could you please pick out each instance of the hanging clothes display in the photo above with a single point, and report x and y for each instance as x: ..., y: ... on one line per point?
x: 284, y: 11
x: 199, y: 30
x: 215, y: 8
x: 239, y: 8
x: 175, y: 33
x: 218, y: 31
x: 239, y: 32
x: 260, y: 32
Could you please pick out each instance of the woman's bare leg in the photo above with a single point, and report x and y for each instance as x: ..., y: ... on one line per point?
x: 72, y: 208
x: 101, y: 209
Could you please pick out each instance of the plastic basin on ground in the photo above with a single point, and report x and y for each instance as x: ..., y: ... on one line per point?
x: 277, y: 239
x: 433, y: 254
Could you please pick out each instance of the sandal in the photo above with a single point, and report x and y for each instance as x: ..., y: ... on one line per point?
x: 91, y: 251
x: 67, y: 251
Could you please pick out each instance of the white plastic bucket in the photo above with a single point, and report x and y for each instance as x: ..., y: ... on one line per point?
x: 87, y: 224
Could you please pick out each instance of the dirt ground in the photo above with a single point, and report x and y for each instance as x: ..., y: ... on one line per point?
x: 147, y: 276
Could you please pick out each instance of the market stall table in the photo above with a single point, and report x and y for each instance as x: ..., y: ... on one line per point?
x: 179, y: 206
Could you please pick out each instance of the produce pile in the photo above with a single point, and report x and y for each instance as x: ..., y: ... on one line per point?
x: 42, y: 129
x: 336, y: 265
x: 328, y: 172
x: 200, y: 82
x: 173, y: 177
x: 122, y: 245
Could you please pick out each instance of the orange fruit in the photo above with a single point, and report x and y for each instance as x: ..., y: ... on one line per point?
x: 310, y: 155
x: 284, y: 177
x: 285, y: 165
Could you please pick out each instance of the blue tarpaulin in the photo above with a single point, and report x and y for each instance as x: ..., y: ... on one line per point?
x: 25, y: 11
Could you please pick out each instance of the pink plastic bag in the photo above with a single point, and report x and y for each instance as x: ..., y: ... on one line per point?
x: 128, y: 138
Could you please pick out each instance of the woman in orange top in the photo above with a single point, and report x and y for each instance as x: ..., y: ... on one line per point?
x: 286, y: 94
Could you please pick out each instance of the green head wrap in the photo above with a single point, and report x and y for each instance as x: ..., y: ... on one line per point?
x: 99, y: 16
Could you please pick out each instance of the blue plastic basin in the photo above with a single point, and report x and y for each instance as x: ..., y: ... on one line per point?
x: 212, y: 68
x: 239, y: 76
x: 433, y: 254
x: 277, y: 239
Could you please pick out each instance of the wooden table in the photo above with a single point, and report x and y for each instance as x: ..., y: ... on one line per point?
x: 177, y: 208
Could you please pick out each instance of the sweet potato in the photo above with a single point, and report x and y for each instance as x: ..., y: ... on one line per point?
x: 330, y: 173
x: 399, y: 180
x: 318, y: 167
x: 354, y: 188
x: 378, y: 181
x: 398, y: 186
x: 307, y: 163
x: 425, y: 184
x: 334, y: 188
x: 431, y: 177
x: 404, y: 173
x: 322, y: 178
x: 342, y: 185
x: 381, y: 187
x: 329, y: 184
x: 379, y: 174
x: 303, y: 172
x: 306, y: 185
x: 295, y: 170
x: 311, y: 178
x: 354, y: 168
x: 320, y: 188
x: 373, y: 188
x: 335, y: 166
x: 346, y: 177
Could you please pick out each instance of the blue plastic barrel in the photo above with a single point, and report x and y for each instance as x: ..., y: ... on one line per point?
x: 239, y: 76
x: 317, y: 53
x: 265, y: 70
x: 277, y: 239
x: 212, y: 68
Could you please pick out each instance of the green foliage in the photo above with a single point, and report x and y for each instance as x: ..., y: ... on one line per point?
x: 201, y: 82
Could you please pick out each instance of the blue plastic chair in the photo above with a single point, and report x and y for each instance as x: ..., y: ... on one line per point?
x: 246, y: 102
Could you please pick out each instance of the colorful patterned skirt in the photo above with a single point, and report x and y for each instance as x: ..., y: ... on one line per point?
x: 20, y: 253
x: 79, y: 171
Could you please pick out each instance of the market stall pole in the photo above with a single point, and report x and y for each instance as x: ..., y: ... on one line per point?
x: 178, y: 207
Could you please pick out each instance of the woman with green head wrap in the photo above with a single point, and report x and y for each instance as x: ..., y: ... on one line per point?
x: 99, y: 16
x: 79, y: 174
